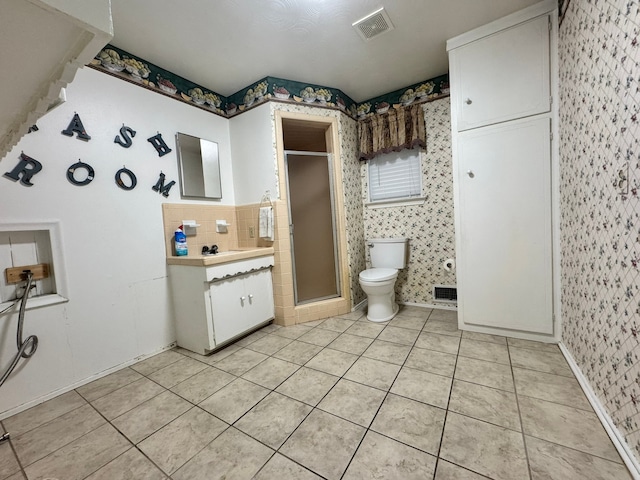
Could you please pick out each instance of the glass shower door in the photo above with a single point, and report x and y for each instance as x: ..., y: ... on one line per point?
x: 312, y: 226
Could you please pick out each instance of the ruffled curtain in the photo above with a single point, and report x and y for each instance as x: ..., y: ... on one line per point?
x: 393, y: 131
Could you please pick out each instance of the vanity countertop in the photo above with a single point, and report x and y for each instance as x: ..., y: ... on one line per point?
x: 220, y: 257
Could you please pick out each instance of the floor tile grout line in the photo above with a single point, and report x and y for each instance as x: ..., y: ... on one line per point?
x: 107, y: 422
x: 577, y: 450
x: 558, y: 403
x: 15, y: 453
x: 170, y: 475
x: 524, y: 437
x: 47, y: 422
x: 446, y: 413
x: 387, y: 393
x: 314, y: 407
x: 117, y: 371
x: 367, y: 429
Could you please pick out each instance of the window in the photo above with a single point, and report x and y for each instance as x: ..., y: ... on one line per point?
x: 395, y: 176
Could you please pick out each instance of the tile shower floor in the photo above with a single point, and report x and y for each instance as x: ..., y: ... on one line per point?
x: 341, y: 398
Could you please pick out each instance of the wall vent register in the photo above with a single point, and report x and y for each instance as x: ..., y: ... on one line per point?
x: 445, y: 293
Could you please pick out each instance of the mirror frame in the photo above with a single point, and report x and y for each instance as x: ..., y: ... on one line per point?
x: 207, y: 176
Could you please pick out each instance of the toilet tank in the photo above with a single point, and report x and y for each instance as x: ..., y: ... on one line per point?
x: 388, y: 252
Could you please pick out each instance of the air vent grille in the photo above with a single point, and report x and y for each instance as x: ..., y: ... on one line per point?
x: 373, y: 24
x: 445, y: 293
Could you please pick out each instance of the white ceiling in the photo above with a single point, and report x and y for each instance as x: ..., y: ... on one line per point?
x: 226, y: 45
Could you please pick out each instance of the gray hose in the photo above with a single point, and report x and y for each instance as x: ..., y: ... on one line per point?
x: 25, y: 348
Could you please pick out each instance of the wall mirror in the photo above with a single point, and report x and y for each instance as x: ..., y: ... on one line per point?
x: 199, y: 167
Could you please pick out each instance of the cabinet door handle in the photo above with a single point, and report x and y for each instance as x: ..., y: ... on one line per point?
x: 468, y: 101
x: 470, y: 173
x: 250, y: 296
x: 242, y: 299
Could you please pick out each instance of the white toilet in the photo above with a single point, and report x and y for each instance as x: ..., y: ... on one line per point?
x: 388, y: 255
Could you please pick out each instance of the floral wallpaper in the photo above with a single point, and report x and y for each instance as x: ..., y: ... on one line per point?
x: 352, y: 189
x: 347, y: 131
x: 429, y: 226
x: 600, y: 208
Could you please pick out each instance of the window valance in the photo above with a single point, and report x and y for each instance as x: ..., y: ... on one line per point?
x: 393, y: 131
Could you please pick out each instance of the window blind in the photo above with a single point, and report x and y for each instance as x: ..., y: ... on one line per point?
x: 395, y: 175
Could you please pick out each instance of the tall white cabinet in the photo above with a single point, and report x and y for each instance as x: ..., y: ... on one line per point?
x: 503, y: 121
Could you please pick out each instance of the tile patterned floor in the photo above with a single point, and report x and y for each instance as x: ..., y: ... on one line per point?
x: 340, y: 398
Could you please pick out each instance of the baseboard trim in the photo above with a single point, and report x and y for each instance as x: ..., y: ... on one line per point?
x: 616, y: 437
x: 73, y: 386
x: 430, y: 305
x: 361, y: 306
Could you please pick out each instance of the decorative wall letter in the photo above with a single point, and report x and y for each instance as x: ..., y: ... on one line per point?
x: 132, y: 179
x: 160, y: 187
x: 76, y: 166
x: 159, y: 145
x: 26, y: 168
x: 76, y: 126
x: 126, y: 139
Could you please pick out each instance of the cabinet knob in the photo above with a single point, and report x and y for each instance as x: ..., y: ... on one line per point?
x: 250, y: 296
x: 468, y: 101
x: 470, y: 173
x: 242, y: 299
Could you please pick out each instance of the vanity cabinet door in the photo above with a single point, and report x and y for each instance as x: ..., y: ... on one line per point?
x: 502, y: 76
x: 227, y: 308
x: 240, y: 303
x: 259, y: 292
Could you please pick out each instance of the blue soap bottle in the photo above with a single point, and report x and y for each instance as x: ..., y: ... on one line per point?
x: 181, y: 243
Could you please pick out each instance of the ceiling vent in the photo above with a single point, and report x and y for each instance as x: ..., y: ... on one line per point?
x: 374, y: 24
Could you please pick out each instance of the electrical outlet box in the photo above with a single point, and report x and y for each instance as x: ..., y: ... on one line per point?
x: 252, y: 232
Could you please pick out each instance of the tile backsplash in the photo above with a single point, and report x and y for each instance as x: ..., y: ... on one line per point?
x: 241, y: 220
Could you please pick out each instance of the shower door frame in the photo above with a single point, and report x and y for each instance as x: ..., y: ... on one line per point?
x: 334, y: 227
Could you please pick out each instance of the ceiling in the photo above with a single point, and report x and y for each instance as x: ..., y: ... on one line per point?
x: 225, y: 45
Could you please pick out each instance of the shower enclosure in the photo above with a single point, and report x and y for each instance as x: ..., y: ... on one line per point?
x: 312, y: 227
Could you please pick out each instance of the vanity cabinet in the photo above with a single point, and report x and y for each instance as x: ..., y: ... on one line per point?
x: 503, y: 152
x: 215, y: 304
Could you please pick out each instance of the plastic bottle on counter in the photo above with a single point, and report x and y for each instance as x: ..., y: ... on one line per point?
x: 181, y: 242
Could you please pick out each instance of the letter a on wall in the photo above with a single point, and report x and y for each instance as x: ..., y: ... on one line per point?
x: 76, y: 126
x: 26, y: 168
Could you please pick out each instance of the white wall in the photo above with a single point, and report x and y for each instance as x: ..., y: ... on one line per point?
x: 112, y: 240
x: 252, y: 151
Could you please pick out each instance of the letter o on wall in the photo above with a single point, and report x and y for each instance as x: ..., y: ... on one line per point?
x: 72, y: 170
x: 132, y: 179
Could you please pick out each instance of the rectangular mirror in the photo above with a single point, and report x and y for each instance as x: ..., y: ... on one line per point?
x: 199, y: 167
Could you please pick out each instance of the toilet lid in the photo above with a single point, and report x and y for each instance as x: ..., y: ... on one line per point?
x: 378, y: 274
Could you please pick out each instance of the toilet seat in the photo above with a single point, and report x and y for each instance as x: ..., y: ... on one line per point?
x: 378, y: 274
